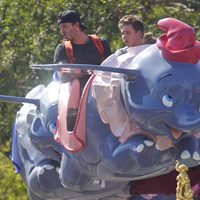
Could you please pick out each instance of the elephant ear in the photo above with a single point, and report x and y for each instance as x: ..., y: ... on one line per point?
x: 179, y: 42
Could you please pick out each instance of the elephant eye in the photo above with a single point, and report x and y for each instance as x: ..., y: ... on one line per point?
x: 52, y: 128
x: 167, y: 100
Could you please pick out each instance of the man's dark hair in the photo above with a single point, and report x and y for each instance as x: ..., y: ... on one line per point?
x: 133, y: 20
x: 71, y: 16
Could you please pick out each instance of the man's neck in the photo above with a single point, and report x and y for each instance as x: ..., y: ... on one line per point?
x: 140, y: 42
x: 81, y: 38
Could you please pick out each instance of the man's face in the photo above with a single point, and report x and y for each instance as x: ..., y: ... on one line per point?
x: 131, y: 37
x: 68, y: 30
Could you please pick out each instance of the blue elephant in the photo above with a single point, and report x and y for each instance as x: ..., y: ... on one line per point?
x: 129, y: 130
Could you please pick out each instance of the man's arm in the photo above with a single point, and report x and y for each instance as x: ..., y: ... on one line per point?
x: 60, y: 54
x: 106, y: 46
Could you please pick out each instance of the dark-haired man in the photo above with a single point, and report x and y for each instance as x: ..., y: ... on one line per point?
x: 78, y: 47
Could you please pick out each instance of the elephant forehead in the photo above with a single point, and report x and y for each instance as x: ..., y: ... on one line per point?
x: 178, y: 84
x: 152, y: 66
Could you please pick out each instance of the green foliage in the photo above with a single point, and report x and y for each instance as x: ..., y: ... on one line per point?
x: 12, y: 187
x: 28, y: 34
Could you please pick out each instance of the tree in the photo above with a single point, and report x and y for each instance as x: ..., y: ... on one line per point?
x: 11, y: 184
x: 28, y: 34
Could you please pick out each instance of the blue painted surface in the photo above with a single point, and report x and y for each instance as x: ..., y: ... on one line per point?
x: 160, y: 96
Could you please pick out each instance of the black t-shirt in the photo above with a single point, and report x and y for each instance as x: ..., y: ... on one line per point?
x: 84, y: 54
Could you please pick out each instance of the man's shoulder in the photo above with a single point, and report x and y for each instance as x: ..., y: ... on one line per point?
x: 121, y: 51
x: 106, y: 46
x: 60, y: 53
x: 103, y: 40
x: 95, y: 36
x: 60, y: 45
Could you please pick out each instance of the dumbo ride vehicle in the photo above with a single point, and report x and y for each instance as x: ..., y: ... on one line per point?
x: 133, y: 123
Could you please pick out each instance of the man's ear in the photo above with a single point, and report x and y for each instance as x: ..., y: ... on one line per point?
x: 139, y: 33
x: 77, y: 25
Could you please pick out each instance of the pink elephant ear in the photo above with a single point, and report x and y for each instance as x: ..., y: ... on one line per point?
x: 179, y: 42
